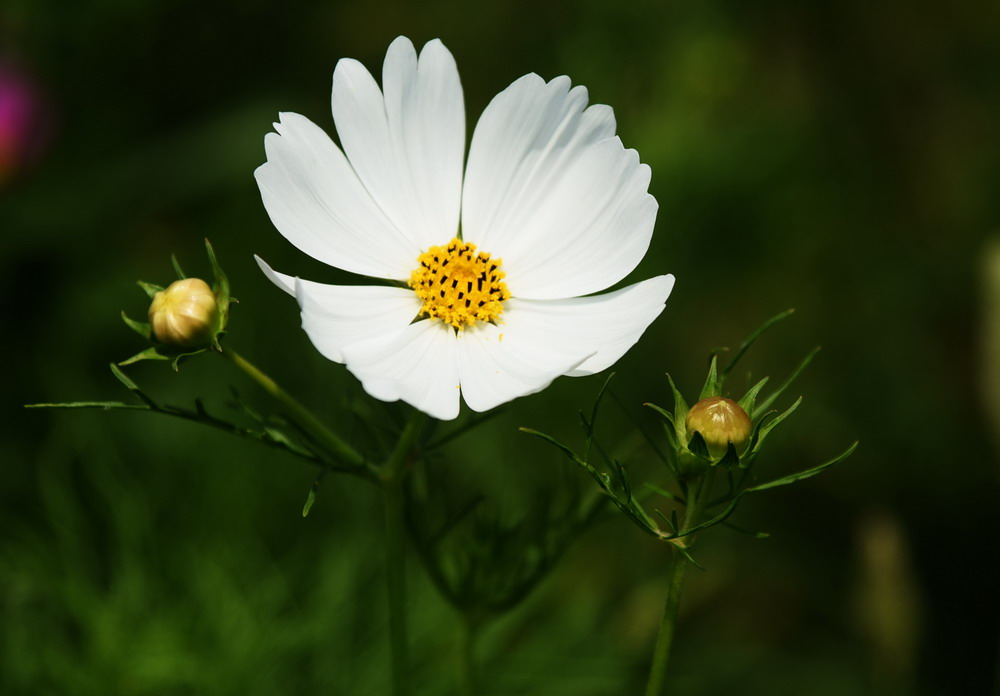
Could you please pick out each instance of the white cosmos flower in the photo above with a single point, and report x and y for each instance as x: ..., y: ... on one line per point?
x: 551, y: 208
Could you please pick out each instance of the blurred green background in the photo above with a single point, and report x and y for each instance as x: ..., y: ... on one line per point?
x: 839, y: 158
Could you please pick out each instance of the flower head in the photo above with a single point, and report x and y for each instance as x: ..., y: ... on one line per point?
x: 185, y: 314
x: 495, y: 265
x: 719, y: 421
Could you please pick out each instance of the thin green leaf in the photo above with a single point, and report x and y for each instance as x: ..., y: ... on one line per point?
x: 667, y: 520
x: 721, y: 517
x: 752, y: 338
x: 662, y: 411
x: 132, y: 386
x: 772, y: 424
x: 177, y: 268
x: 281, y: 437
x: 748, y: 532
x: 713, y: 383
x: 801, y: 475
x: 589, y: 427
x: 104, y: 405
x: 552, y: 441
x: 772, y: 397
x: 661, y: 491
x: 686, y: 552
x: 310, y: 500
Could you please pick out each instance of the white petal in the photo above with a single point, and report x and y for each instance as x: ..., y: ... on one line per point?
x: 605, y: 326
x: 551, y: 191
x: 497, y: 364
x: 407, y: 146
x: 316, y: 201
x: 337, y: 318
x: 285, y: 282
x: 417, y: 366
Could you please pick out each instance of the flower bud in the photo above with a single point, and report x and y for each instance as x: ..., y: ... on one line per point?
x: 185, y: 315
x: 719, y: 421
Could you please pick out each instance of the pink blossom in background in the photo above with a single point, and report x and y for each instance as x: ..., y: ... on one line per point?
x: 20, y: 120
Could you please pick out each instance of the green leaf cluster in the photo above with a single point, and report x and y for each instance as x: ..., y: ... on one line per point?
x: 687, y: 457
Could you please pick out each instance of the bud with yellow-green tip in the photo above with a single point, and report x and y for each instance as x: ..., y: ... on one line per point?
x: 720, y: 422
x: 185, y: 314
x: 188, y: 316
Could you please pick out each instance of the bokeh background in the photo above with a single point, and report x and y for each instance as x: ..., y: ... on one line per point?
x: 839, y: 158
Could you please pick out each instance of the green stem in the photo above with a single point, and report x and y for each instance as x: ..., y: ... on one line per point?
x: 391, y: 477
x: 337, y: 447
x: 698, y: 493
x: 661, y: 653
x: 466, y: 656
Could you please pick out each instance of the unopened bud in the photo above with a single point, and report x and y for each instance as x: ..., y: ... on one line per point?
x: 719, y: 421
x: 185, y: 314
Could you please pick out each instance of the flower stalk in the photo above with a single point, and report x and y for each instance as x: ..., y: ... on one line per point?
x: 698, y: 494
x: 303, y: 416
x: 391, y: 477
x: 468, y: 630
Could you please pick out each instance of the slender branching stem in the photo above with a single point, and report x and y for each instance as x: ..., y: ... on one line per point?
x: 698, y: 494
x: 303, y: 416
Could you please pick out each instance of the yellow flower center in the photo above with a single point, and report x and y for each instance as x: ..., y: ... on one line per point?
x: 458, y: 285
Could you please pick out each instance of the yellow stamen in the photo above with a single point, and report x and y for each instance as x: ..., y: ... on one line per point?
x: 458, y: 285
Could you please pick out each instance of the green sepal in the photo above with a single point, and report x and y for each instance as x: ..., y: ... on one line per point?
x: 221, y: 290
x: 697, y: 446
x: 731, y: 458
x: 140, y: 327
x: 669, y: 429
x: 680, y: 412
x: 748, y: 400
x: 177, y: 267
x: 162, y: 352
x: 750, y: 453
x: 713, y: 382
x: 151, y: 353
x: 149, y: 288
